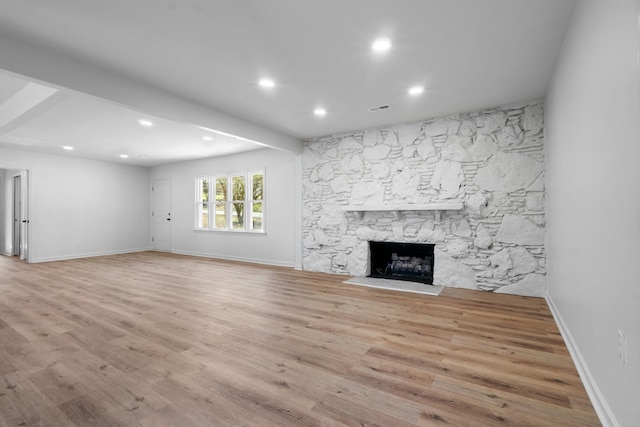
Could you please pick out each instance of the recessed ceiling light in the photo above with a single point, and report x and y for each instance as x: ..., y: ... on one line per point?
x: 147, y: 123
x: 124, y: 156
x: 416, y: 90
x: 207, y: 138
x: 67, y: 147
x: 144, y: 156
x: 320, y: 111
x: 381, y: 45
x: 265, y: 82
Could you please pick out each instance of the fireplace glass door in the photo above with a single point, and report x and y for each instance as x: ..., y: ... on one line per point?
x: 402, y: 261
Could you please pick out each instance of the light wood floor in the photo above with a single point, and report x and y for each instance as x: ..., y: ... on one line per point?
x: 152, y: 339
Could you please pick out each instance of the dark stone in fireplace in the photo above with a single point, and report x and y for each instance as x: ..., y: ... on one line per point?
x: 402, y: 261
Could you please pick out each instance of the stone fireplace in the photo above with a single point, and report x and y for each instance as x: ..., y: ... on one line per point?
x: 401, y: 261
x: 471, y: 184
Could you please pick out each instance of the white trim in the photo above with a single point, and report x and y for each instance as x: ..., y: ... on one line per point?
x: 90, y: 255
x: 595, y: 395
x: 233, y: 258
x: 219, y: 230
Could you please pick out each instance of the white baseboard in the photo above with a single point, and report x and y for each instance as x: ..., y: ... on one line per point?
x: 597, y: 399
x: 233, y: 258
x: 88, y: 255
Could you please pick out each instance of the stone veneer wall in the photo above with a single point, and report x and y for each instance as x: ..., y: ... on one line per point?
x: 492, y: 160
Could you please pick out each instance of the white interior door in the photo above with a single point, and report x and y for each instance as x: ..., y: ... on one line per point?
x: 161, y: 190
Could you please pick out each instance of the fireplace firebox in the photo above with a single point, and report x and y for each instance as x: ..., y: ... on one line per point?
x: 402, y: 261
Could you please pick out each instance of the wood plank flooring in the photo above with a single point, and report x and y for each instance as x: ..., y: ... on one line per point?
x: 152, y: 339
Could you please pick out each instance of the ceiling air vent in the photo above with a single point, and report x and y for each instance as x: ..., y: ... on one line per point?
x: 379, y: 108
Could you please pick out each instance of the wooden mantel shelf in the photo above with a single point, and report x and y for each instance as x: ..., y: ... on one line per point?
x: 437, y: 207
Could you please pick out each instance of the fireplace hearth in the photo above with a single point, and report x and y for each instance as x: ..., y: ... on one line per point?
x: 402, y: 261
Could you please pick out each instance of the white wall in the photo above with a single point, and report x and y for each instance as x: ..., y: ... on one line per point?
x: 593, y: 213
x: 83, y: 207
x: 277, y: 246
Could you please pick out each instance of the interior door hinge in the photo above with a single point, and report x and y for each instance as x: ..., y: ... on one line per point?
x: 153, y: 239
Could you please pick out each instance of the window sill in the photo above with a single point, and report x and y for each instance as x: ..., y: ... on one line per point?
x: 252, y: 232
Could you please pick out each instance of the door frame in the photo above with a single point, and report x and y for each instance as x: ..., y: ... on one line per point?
x: 16, y: 215
x: 26, y: 191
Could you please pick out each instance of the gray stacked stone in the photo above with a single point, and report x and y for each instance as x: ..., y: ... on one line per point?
x: 491, y: 160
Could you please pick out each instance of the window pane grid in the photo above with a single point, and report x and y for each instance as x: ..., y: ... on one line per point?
x: 257, y: 180
x: 237, y: 216
x: 203, y: 215
x: 221, y: 189
x: 256, y: 216
x: 237, y: 203
x: 221, y: 216
x: 256, y: 221
x: 202, y: 205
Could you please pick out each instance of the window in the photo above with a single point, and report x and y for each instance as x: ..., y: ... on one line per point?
x: 237, y: 205
x: 202, y: 203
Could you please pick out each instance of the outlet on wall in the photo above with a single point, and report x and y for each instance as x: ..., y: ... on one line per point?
x: 622, y: 347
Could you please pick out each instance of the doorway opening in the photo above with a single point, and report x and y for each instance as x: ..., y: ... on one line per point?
x: 14, y: 213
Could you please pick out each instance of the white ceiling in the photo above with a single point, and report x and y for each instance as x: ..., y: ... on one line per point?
x: 468, y: 54
x: 100, y: 129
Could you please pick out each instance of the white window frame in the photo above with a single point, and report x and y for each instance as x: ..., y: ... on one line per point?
x: 200, y: 203
x: 251, y: 201
x: 247, y: 226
